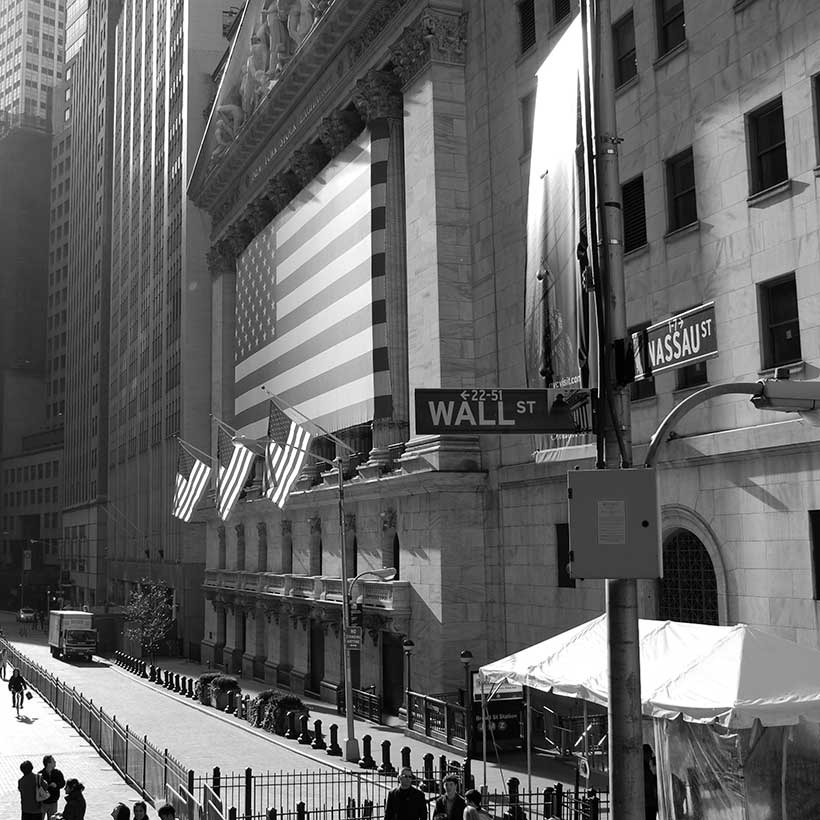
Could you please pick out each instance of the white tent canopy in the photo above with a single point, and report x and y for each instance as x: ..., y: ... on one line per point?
x: 731, y: 675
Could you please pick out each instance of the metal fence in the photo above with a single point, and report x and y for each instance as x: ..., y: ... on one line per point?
x: 145, y: 767
x: 438, y: 719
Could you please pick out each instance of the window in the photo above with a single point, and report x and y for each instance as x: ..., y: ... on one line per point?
x: 560, y: 9
x: 680, y: 190
x: 767, y: 146
x: 779, y: 322
x: 634, y: 214
x: 814, y: 531
x: 623, y: 42
x: 692, y: 375
x: 671, y: 25
x: 562, y: 556
x: 644, y: 388
x: 527, y: 120
x: 526, y: 22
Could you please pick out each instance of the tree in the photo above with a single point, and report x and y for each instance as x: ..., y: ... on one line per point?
x: 150, y: 615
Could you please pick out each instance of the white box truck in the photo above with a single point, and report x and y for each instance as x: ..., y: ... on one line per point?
x: 71, y: 634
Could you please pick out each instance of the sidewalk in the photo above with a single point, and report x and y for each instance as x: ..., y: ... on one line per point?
x: 41, y: 731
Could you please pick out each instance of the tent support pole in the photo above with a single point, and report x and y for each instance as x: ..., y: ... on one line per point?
x: 484, y: 736
x: 529, y: 742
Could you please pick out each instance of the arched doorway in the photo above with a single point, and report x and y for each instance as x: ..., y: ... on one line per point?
x: 688, y: 589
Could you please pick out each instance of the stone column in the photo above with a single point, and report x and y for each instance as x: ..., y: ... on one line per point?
x: 261, y: 546
x: 315, y: 546
x: 240, y: 547
x: 379, y: 102
x: 286, y: 555
x: 222, y: 265
x: 429, y: 62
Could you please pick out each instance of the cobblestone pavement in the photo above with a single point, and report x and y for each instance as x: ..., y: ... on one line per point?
x: 201, y: 738
x: 42, y: 731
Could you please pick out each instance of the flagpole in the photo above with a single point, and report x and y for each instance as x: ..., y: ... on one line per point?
x: 278, y: 401
x: 195, y: 450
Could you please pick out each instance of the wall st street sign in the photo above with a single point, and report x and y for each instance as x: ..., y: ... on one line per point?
x: 498, y: 410
x: 683, y: 339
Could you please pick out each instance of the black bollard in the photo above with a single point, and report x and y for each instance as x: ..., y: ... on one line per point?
x: 144, y: 669
x: 430, y: 784
x: 405, y: 757
x: 301, y: 814
x: 514, y: 809
x: 291, y: 733
x: 334, y: 748
x: 231, y: 707
x: 366, y: 761
x: 386, y: 766
x: 467, y: 780
x: 152, y: 674
x: 318, y: 738
x: 304, y: 733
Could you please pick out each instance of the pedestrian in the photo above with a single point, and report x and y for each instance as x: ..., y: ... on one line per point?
x: 650, y: 783
x: 74, y: 808
x: 121, y: 812
x: 451, y: 805
x: 474, y: 811
x: 17, y: 686
x: 2, y: 661
x: 27, y: 786
x: 167, y: 812
x: 54, y: 780
x: 140, y: 810
x: 405, y: 802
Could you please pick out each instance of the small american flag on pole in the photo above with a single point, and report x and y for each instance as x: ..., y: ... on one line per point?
x: 235, y: 464
x: 193, y: 476
x: 284, y: 455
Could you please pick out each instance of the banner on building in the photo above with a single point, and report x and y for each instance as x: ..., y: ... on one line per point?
x: 310, y: 312
x: 560, y: 330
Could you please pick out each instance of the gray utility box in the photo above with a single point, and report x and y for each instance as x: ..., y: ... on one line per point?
x: 614, y: 523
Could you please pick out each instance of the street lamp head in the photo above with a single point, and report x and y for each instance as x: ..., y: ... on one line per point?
x: 408, y: 646
x: 466, y: 657
x: 386, y: 574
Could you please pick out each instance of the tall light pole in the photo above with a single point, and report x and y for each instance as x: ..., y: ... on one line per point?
x: 466, y: 658
x: 351, y: 743
x: 408, y: 646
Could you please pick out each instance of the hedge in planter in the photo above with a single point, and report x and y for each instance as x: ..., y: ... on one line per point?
x: 202, y: 690
x: 276, y: 712
x: 258, y: 705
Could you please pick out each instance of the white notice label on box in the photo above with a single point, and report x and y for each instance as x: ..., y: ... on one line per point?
x: 612, y: 522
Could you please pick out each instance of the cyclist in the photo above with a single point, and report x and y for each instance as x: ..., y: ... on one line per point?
x: 17, y: 686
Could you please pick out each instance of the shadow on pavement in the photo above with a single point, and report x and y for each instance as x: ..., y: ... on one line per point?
x: 25, y: 719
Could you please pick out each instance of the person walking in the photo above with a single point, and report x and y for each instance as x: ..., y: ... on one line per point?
x: 74, y: 808
x: 17, y: 686
x: 139, y: 810
x: 451, y: 805
x: 121, y: 812
x: 30, y: 809
x: 54, y: 780
x: 167, y: 812
x: 2, y: 661
x: 474, y: 811
x: 405, y: 802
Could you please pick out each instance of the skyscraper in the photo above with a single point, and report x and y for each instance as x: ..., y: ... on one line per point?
x: 87, y: 101
x: 160, y: 324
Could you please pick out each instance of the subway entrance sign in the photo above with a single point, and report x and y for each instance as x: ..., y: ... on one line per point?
x: 498, y: 410
x: 681, y: 340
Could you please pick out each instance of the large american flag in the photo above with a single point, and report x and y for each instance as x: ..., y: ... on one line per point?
x: 310, y: 312
x: 192, y: 478
x: 235, y: 464
x: 284, y: 455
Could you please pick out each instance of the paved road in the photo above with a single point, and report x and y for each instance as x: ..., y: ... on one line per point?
x: 199, y: 738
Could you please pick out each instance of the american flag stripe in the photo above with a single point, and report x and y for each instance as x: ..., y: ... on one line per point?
x: 285, y: 463
x: 326, y: 354
x: 192, y: 490
x: 233, y: 474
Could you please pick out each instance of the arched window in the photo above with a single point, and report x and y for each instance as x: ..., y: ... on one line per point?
x: 688, y: 590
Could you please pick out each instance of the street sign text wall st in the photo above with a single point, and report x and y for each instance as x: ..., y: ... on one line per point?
x: 498, y: 410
